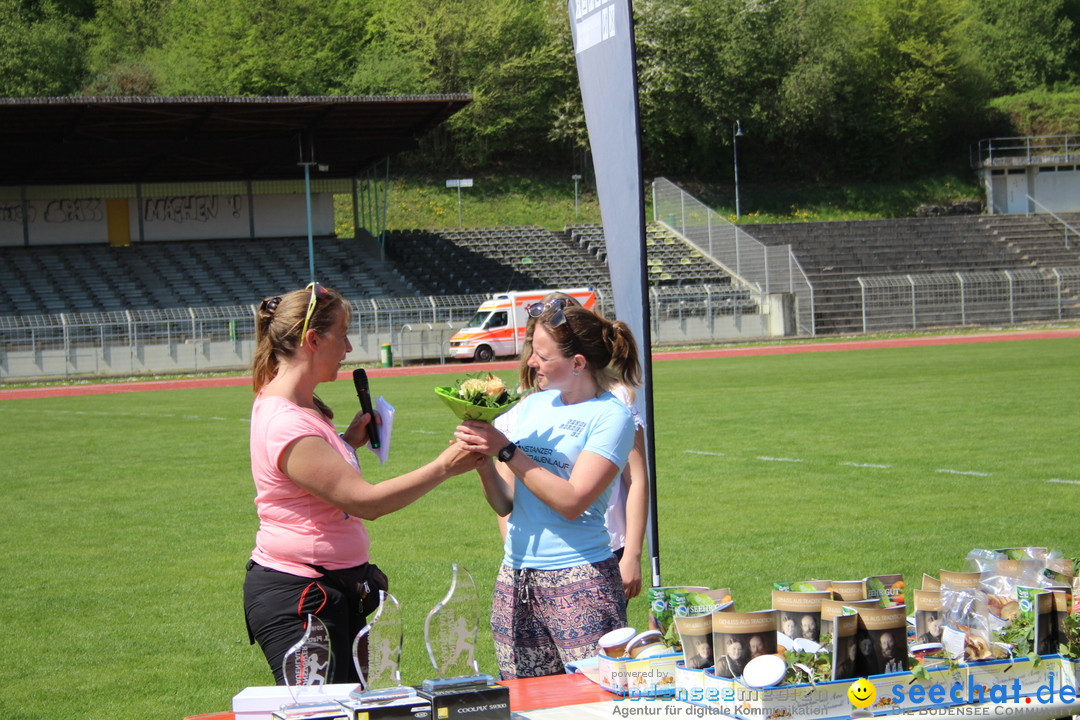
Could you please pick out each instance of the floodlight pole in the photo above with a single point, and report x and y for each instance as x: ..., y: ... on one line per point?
x: 737, y: 132
x: 310, y: 238
x: 576, y: 179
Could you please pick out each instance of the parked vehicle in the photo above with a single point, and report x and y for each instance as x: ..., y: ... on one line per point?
x: 498, y: 327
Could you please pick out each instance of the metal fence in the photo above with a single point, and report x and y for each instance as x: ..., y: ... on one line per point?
x: 960, y: 299
x: 201, y: 339
x: 769, y: 269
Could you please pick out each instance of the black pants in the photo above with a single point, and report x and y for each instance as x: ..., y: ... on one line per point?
x: 276, y: 606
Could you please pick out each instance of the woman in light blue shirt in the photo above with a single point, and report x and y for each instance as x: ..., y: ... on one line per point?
x: 559, y: 587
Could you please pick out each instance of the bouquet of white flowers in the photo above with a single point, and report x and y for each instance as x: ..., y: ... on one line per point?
x: 479, y: 396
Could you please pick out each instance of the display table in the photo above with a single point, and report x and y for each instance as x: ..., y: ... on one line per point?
x: 525, y: 695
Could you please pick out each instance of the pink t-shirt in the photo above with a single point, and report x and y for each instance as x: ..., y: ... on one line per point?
x: 297, y: 529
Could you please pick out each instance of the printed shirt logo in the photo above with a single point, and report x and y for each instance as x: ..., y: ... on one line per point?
x: 573, y: 428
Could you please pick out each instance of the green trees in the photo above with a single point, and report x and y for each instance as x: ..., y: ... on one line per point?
x: 272, y: 47
x: 820, y: 86
x: 1027, y: 45
x: 918, y: 82
x: 507, y: 53
x: 42, y: 50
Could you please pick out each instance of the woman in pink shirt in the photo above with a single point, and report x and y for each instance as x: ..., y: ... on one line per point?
x: 311, y: 549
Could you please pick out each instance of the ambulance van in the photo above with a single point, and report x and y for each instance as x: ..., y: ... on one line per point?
x: 498, y: 327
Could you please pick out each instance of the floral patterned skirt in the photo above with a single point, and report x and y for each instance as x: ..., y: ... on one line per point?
x: 543, y: 619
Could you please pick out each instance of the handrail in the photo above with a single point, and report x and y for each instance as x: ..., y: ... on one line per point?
x: 730, y: 246
x: 1051, y: 213
x: 998, y: 151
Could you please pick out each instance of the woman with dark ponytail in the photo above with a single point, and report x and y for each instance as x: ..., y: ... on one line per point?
x: 559, y: 587
x: 311, y: 550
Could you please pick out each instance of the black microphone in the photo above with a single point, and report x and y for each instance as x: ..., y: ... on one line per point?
x: 359, y: 378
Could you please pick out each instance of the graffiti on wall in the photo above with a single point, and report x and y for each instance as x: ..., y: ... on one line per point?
x: 191, y: 208
x: 64, y: 211
x: 13, y: 212
x: 55, y: 211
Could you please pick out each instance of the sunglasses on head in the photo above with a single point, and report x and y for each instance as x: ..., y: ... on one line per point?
x: 556, y: 305
x: 317, y: 291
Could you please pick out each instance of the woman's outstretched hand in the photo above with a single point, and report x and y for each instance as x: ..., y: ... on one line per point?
x: 457, y: 459
x: 481, y: 437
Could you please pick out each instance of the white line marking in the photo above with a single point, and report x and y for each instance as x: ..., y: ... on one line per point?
x: 772, y: 459
x: 1064, y: 482
x: 423, y: 432
x: 702, y: 452
x: 963, y: 472
x: 866, y: 465
x: 104, y: 414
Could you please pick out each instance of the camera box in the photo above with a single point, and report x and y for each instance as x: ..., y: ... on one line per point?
x: 479, y: 702
x: 645, y: 677
x: 413, y: 707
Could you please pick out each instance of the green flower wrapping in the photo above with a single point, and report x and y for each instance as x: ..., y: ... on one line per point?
x: 479, y: 396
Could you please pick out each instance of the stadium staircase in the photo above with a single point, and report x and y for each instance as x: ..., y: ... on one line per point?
x: 488, y: 260
x: 1039, y: 239
x: 835, y: 254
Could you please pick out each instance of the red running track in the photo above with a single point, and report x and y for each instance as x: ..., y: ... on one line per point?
x: 785, y: 349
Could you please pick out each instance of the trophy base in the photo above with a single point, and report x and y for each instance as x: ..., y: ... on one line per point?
x: 463, y: 681
x: 327, y: 710
x: 478, y: 699
x: 381, y: 695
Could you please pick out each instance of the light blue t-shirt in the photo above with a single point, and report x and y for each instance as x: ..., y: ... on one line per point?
x: 554, y: 435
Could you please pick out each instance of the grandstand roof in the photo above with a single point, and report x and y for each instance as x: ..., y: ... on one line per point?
x: 104, y: 140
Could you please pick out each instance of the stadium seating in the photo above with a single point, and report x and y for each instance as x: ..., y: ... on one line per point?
x: 835, y: 254
x: 462, y: 261
x: 196, y: 273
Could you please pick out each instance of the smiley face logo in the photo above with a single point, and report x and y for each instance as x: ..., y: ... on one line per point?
x: 862, y: 693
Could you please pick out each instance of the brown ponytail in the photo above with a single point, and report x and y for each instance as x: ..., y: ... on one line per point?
x: 609, y: 348
x: 279, y: 323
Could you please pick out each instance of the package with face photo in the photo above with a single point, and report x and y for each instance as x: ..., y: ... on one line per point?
x: 882, y: 637
x: 927, y: 616
x: 1046, y: 640
x: 845, y: 646
x: 799, y: 613
x: 1062, y: 603
x: 1037, y: 606
x: 738, y: 638
x: 696, y: 635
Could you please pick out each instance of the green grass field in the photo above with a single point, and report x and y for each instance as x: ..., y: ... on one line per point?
x: 130, y: 515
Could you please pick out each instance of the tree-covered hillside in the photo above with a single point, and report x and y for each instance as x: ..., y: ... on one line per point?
x: 823, y: 89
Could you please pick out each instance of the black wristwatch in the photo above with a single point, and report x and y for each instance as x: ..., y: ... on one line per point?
x: 507, y: 452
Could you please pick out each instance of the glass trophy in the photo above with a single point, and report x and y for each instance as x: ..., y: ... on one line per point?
x: 308, y: 666
x: 377, y: 649
x: 450, y: 633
